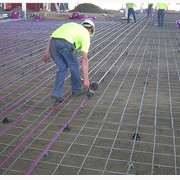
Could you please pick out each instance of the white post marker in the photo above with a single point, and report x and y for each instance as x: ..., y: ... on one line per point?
x: 24, y: 9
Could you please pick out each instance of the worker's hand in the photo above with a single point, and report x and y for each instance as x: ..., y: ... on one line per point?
x: 86, y: 84
x: 46, y: 57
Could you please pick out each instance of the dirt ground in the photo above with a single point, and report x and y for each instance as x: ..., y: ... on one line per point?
x: 129, y: 127
x: 65, y: 15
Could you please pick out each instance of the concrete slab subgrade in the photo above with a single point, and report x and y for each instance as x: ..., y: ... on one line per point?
x: 129, y: 126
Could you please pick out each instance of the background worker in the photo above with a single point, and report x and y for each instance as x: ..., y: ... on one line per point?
x: 62, y: 47
x: 130, y: 7
x: 149, y: 10
x: 161, y: 7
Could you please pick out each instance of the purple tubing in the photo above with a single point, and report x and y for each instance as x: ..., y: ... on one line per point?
x: 26, y: 73
x: 10, y: 107
x: 29, y: 170
x: 11, y: 70
x: 22, y: 115
x: 16, y: 15
x: 25, y: 83
x: 27, y: 137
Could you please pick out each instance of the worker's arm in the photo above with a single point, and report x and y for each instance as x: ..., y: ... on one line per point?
x: 46, y: 56
x: 85, y: 66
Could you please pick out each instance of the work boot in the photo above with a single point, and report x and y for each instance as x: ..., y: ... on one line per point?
x: 57, y: 99
x: 78, y: 93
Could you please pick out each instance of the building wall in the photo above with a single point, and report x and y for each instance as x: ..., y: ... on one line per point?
x: 30, y: 6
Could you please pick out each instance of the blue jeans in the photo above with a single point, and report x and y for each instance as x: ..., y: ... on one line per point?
x: 131, y: 11
x: 64, y: 55
x: 161, y: 15
x: 149, y: 12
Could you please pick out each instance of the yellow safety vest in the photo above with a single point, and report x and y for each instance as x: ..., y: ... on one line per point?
x: 161, y: 5
x: 74, y: 33
x: 130, y: 5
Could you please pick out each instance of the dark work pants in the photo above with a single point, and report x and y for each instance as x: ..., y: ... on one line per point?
x: 160, y: 16
x: 149, y: 12
x: 131, y: 11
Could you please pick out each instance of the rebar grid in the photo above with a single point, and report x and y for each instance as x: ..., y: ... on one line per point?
x: 130, y: 126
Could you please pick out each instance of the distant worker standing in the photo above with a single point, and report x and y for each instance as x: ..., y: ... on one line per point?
x: 149, y: 10
x: 130, y: 7
x: 161, y: 7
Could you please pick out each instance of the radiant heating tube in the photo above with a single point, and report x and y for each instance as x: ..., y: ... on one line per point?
x: 58, y: 133
x: 171, y: 110
x: 155, y: 111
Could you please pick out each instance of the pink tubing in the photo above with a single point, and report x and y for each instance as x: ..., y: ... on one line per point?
x: 25, y: 83
x: 29, y: 170
x: 10, y: 107
x: 32, y: 131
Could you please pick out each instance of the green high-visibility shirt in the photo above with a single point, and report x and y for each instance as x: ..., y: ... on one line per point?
x: 130, y: 5
x: 74, y: 33
x: 149, y: 3
x: 161, y: 5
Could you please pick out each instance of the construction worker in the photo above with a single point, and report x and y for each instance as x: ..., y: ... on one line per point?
x: 130, y: 7
x: 149, y: 10
x: 62, y: 47
x: 161, y: 7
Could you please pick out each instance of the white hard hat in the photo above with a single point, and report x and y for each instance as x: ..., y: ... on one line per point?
x: 89, y: 23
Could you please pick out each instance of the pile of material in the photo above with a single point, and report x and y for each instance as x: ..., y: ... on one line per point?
x: 78, y: 12
x: 88, y: 8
